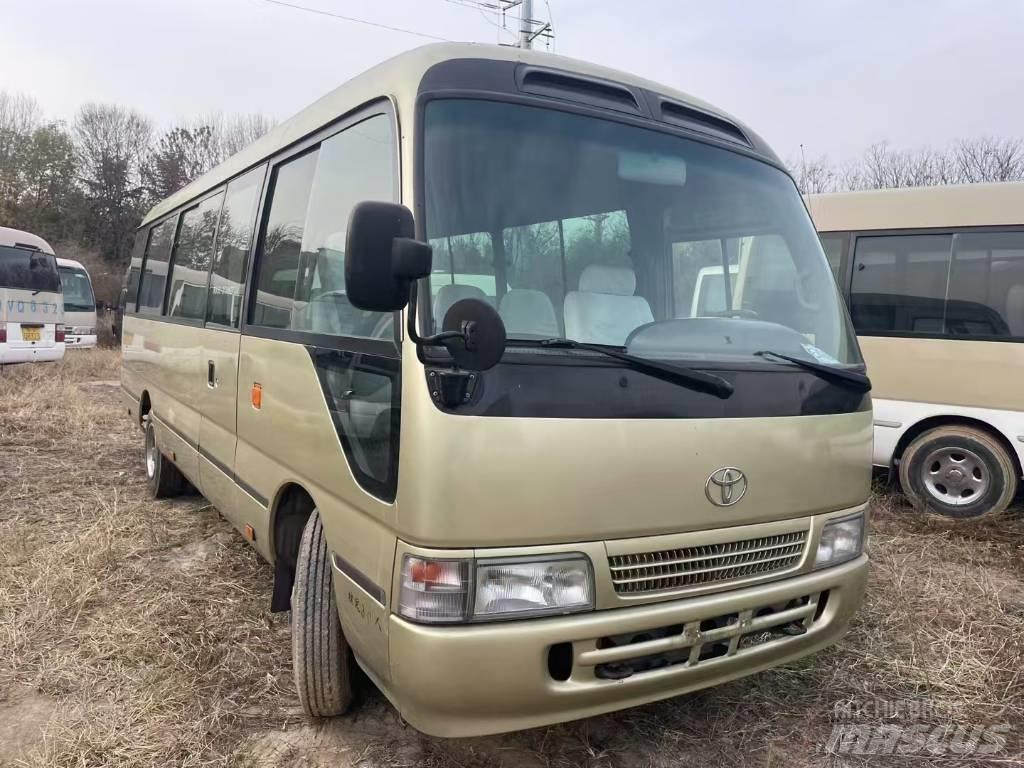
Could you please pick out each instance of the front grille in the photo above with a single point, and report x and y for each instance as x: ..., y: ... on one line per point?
x: 708, y: 564
x: 704, y: 640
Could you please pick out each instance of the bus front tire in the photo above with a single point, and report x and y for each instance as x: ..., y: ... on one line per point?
x: 165, y: 480
x: 958, y: 472
x: 320, y: 653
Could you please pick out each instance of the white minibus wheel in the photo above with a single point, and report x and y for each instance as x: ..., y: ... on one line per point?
x: 958, y: 472
x: 320, y: 653
x: 165, y: 479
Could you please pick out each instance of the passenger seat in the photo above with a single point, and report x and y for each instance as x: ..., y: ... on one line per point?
x: 604, y: 309
x: 528, y: 313
x: 449, y: 293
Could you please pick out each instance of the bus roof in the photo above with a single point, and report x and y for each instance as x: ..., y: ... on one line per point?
x: 960, y: 205
x: 62, y: 262
x: 18, y: 237
x: 399, y: 79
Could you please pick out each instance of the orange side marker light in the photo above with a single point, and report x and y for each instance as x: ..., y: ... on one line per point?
x: 257, y: 396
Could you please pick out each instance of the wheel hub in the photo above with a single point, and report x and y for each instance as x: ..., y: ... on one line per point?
x: 955, y: 476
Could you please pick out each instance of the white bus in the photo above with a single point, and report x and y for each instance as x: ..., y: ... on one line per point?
x: 31, y: 306
x: 934, y: 279
x: 79, y: 304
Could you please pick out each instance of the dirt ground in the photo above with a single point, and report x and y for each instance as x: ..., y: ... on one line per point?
x: 137, y: 633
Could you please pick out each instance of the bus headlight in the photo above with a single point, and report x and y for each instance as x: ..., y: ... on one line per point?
x: 841, y: 540
x: 436, y: 591
x: 511, y: 589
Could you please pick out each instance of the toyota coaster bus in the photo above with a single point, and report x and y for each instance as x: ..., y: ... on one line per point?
x: 444, y: 372
x: 31, y: 306
x: 934, y: 278
x: 79, y: 304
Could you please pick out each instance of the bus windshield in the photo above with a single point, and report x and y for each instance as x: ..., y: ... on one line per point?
x: 77, y: 290
x: 604, y: 233
x: 28, y: 270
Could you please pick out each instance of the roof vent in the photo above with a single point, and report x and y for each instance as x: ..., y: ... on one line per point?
x: 695, y: 120
x: 578, y: 88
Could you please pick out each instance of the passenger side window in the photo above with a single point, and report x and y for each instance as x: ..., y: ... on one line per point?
x: 834, y: 246
x: 986, y: 285
x: 234, y: 236
x: 899, y: 284
x: 698, y: 276
x: 190, y: 266
x: 154, y: 268
x: 282, y: 240
x: 131, y: 292
x: 301, y: 283
x: 463, y: 267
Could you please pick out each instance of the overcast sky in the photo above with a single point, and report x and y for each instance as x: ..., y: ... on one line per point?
x: 835, y: 75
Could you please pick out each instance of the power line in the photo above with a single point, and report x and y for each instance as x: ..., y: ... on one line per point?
x: 354, y: 20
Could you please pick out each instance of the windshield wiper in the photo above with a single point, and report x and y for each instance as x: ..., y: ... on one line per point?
x: 698, y: 380
x: 852, y: 379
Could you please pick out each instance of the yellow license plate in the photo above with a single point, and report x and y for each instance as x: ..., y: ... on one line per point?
x: 30, y: 334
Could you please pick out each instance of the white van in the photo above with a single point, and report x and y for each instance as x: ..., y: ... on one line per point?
x: 79, y: 304
x: 31, y: 304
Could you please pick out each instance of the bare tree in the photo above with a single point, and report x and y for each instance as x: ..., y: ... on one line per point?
x: 180, y: 156
x: 233, y: 133
x: 112, y: 143
x: 20, y: 115
x: 989, y: 159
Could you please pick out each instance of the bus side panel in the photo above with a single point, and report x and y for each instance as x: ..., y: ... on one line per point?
x: 968, y: 373
x: 163, y: 359
x: 290, y: 438
x: 219, y: 362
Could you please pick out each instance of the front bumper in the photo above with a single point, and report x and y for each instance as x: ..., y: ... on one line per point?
x: 480, y: 679
x: 80, y: 341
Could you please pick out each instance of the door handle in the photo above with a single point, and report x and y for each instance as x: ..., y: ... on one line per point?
x: 211, y: 374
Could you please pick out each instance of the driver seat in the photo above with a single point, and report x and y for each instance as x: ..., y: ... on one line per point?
x: 604, y: 309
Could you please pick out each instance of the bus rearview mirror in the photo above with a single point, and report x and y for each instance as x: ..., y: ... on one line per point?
x: 476, y: 334
x: 382, y: 259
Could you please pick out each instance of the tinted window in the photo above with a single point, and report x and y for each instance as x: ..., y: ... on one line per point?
x: 28, y: 270
x: 834, y: 246
x: 302, y: 280
x: 154, y: 273
x: 282, y: 241
x: 191, y: 264
x: 234, y: 235
x: 986, y: 285
x: 77, y: 290
x: 697, y: 268
x: 899, y: 283
x: 620, y: 196
x: 131, y: 289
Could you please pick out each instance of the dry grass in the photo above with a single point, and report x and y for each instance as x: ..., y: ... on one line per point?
x: 139, y: 632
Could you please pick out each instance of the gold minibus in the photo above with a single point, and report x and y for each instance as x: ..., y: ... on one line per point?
x: 448, y: 377
x: 934, y: 278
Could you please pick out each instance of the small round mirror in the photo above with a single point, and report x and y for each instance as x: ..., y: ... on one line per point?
x: 483, y: 340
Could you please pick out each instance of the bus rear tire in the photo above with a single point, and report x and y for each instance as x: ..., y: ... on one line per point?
x: 320, y: 653
x: 165, y: 480
x: 958, y: 472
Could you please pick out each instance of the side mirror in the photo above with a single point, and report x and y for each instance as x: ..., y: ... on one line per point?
x: 382, y: 260
x: 475, y: 334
